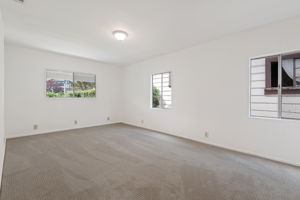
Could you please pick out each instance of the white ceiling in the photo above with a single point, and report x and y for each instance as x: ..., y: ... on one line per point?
x: 83, y: 27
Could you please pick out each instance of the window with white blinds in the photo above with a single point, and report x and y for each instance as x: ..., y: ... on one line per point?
x: 161, y: 90
x: 275, y: 86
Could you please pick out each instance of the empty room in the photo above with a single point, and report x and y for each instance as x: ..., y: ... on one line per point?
x: 149, y: 100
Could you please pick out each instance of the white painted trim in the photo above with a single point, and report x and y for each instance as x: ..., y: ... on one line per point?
x: 58, y: 130
x: 262, y: 156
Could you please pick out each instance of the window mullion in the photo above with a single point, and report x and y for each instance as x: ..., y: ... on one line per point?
x: 279, y: 86
x: 162, y: 93
x: 294, y: 73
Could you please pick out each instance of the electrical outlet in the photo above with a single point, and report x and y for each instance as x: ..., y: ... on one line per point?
x: 142, y: 121
x: 107, y: 118
x: 35, y: 127
x: 75, y: 122
x: 206, y: 134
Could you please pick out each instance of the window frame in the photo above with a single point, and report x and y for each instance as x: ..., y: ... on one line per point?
x: 269, y: 90
x: 279, y: 117
x: 67, y: 98
x: 161, y: 96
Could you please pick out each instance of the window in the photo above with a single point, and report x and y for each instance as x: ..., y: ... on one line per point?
x: 84, y: 85
x: 161, y: 90
x: 275, y: 86
x: 61, y: 84
x: 290, y: 74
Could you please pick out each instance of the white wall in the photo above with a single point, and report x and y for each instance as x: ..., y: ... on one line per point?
x: 210, y: 93
x: 2, y: 129
x: 26, y: 103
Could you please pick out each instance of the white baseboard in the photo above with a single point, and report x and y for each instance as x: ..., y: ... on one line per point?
x: 58, y: 130
x: 2, y: 161
x: 255, y: 154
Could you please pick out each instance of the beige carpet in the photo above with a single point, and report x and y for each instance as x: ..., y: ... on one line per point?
x: 120, y: 162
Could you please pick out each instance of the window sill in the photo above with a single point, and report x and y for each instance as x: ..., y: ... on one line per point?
x: 286, y: 90
x: 160, y: 108
x: 68, y: 98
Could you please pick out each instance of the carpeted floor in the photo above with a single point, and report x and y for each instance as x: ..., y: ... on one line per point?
x: 120, y: 162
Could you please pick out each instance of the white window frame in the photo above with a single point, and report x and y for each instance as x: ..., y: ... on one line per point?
x: 151, y: 92
x: 279, y: 117
x: 66, y: 98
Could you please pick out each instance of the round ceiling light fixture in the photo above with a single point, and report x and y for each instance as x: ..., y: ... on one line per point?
x: 120, y: 35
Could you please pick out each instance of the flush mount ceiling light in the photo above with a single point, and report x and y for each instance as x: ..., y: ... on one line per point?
x: 19, y: 1
x: 120, y: 35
